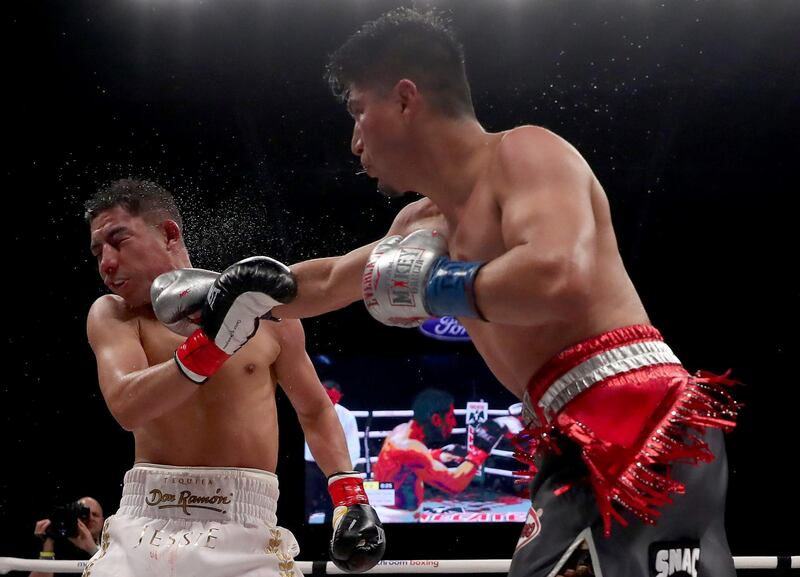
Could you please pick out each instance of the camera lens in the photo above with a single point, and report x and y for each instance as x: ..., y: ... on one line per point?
x: 64, y: 520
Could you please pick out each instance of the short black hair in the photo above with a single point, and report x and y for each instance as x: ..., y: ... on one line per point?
x: 404, y: 43
x: 431, y: 402
x: 137, y: 197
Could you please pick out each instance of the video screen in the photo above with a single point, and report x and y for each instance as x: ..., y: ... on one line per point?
x: 430, y: 433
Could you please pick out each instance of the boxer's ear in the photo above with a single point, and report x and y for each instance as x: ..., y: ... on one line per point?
x: 172, y: 232
x: 407, y: 95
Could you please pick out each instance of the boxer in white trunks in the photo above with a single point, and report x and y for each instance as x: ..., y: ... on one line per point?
x: 202, y: 494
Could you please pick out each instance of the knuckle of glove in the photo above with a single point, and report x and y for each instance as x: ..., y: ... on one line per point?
x: 358, y: 543
x: 179, y: 294
x: 394, y: 281
x: 259, y: 274
x: 488, y: 435
x: 427, y: 239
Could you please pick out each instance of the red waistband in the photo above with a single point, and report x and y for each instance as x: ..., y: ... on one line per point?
x: 625, y: 399
x: 571, y: 357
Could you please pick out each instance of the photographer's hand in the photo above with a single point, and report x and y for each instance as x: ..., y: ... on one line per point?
x: 84, y: 540
x: 41, y: 527
x: 48, y: 546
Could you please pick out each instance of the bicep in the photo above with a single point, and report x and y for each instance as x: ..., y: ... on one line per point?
x: 117, y: 349
x: 295, y: 372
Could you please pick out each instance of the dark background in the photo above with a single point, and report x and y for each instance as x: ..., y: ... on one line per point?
x: 687, y: 111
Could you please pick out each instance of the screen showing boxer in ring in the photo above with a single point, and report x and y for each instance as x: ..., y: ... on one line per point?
x: 430, y: 433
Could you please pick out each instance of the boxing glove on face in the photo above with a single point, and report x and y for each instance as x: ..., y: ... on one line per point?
x: 178, y: 297
x: 238, y: 298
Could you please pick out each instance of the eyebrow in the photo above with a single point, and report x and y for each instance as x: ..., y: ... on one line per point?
x: 114, y: 231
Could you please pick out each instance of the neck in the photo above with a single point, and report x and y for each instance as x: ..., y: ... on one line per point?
x: 180, y: 259
x: 453, y: 157
x: 416, y: 432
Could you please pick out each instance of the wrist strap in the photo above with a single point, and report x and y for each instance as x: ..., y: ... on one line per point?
x: 450, y: 290
x: 476, y: 456
x: 199, y: 357
x: 347, y: 489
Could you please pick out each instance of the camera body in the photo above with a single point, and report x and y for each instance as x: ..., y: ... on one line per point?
x: 64, y: 520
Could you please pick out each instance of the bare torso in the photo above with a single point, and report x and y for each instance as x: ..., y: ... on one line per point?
x: 230, y: 422
x: 514, y: 353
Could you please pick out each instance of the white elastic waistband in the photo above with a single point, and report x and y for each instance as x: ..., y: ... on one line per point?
x: 597, y: 369
x: 200, y: 493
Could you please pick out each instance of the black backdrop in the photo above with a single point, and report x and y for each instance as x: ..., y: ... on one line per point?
x: 688, y: 112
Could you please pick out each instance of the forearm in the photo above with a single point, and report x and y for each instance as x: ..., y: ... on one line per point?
x: 326, y: 440
x: 47, y: 553
x: 452, y: 480
x: 141, y: 396
x: 522, y: 288
x: 326, y: 284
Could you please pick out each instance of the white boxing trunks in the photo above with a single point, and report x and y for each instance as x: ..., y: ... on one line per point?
x: 214, y: 522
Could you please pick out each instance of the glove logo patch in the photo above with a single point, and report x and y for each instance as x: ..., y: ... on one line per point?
x: 212, y: 296
x: 406, y: 267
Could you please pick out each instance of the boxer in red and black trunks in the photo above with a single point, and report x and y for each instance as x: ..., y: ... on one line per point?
x: 517, y: 242
x: 656, y: 423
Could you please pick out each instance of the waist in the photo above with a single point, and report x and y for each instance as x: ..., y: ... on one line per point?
x: 590, y: 362
x: 200, y: 493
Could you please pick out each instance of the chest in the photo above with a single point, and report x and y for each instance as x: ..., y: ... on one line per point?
x: 254, y: 359
x: 478, y: 234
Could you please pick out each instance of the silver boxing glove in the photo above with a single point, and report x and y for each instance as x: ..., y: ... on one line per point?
x: 396, y: 276
x: 178, y: 296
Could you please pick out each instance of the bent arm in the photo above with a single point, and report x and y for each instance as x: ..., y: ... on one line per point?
x: 134, y: 392
x: 452, y: 480
x: 548, y: 226
x: 432, y: 471
x: 315, y: 411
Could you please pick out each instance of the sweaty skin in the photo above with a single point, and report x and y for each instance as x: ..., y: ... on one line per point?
x: 231, y: 420
x: 525, y: 202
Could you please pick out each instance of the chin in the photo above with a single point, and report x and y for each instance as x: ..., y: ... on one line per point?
x: 389, y: 191
x: 133, y: 301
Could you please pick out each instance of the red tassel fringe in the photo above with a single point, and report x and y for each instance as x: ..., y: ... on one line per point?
x: 631, y: 480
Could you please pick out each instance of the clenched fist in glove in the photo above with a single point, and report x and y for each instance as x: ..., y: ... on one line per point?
x: 407, y: 281
x: 178, y: 297
x: 358, y: 540
x: 230, y: 313
x: 485, y: 438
